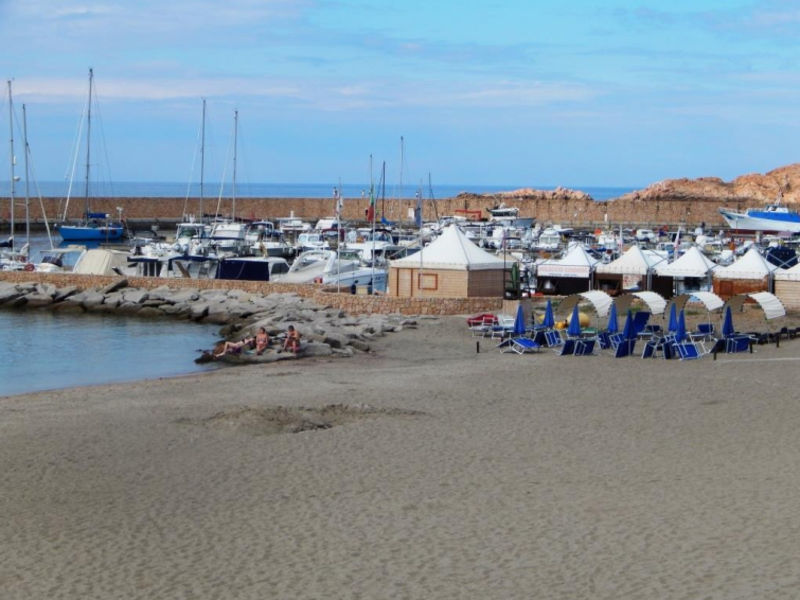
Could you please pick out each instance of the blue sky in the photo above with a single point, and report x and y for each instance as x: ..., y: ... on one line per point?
x: 517, y: 92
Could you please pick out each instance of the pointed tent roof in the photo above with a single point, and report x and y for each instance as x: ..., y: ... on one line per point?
x: 791, y: 274
x: 692, y: 264
x: 749, y: 266
x: 576, y: 256
x: 633, y: 262
x: 575, y: 263
x: 451, y: 251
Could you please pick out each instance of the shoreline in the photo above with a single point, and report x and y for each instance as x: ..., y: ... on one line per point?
x: 508, y: 474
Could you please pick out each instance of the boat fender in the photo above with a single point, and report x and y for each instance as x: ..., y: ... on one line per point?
x: 29, y: 267
x: 317, y: 279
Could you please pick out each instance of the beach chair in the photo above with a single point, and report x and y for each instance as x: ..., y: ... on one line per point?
x: 668, y: 348
x: 706, y: 329
x: 567, y: 347
x: 585, y: 347
x: 737, y: 343
x: 652, y: 346
x: 539, y: 337
x: 615, y: 339
x: 624, y: 348
x: 483, y: 326
x: 639, y: 321
x: 503, y: 328
x: 553, y: 339
x: 522, y: 345
x: 687, y: 351
x: 604, y: 340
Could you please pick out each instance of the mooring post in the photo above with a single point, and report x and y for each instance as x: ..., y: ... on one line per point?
x: 478, y: 347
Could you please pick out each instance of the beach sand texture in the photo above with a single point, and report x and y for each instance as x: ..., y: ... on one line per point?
x: 449, y: 474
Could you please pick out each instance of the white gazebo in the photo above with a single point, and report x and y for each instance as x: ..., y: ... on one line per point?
x: 690, y: 272
x: 569, y: 274
x: 451, y: 266
x: 787, y: 286
x: 750, y: 273
x: 631, y: 270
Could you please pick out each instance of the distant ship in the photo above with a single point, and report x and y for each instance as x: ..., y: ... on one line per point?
x: 771, y: 218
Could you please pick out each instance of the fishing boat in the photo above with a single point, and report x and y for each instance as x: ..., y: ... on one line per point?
x: 94, y: 226
x: 772, y: 218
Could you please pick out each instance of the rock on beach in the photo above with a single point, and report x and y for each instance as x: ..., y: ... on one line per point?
x: 324, y: 331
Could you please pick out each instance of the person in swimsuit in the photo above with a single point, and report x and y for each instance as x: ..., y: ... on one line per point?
x: 292, y: 341
x: 235, y: 347
x: 262, y: 340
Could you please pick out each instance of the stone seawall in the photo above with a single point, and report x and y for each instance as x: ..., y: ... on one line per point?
x: 352, y: 304
x: 569, y: 210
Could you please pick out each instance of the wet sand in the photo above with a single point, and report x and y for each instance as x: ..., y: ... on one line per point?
x: 447, y: 474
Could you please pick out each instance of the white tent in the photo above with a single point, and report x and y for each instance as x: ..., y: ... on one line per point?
x: 791, y: 274
x: 451, y: 251
x: 575, y: 263
x: 692, y: 264
x: 750, y: 266
x: 633, y: 262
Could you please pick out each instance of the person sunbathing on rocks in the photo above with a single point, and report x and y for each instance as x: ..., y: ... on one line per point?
x: 292, y: 341
x: 236, y: 347
x: 262, y: 340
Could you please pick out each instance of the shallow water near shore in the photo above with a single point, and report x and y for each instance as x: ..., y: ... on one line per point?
x: 41, y: 350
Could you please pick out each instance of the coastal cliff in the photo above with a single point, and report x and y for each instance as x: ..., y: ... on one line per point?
x: 669, y: 202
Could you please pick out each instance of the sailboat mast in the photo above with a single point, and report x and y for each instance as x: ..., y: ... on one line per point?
x: 12, y: 159
x: 27, y: 180
x: 88, y: 144
x: 400, y: 189
x: 235, y: 140
x: 202, y: 156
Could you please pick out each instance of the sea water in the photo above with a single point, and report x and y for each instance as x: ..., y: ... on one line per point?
x: 43, y: 350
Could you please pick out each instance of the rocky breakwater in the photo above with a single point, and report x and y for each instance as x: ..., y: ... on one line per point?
x: 324, y: 330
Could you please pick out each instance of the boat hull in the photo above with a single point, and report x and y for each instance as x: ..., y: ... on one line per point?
x: 79, y: 233
x: 761, y: 221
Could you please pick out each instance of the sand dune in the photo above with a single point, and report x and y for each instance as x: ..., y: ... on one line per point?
x: 443, y: 473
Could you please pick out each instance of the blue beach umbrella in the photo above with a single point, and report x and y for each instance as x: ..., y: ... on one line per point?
x: 673, y: 318
x: 680, y: 330
x: 727, y: 323
x: 519, y: 322
x: 627, y: 329
x: 612, y: 327
x: 574, y: 329
x: 628, y: 333
x: 548, y: 321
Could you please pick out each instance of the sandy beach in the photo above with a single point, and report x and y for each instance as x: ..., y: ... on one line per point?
x: 446, y: 474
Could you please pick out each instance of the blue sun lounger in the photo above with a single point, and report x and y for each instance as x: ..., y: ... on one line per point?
x: 522, y: 345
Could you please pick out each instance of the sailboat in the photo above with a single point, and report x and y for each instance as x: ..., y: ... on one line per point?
x: 94, y: 226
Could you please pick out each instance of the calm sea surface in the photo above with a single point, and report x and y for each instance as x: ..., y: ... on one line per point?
x: 42, y: 350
